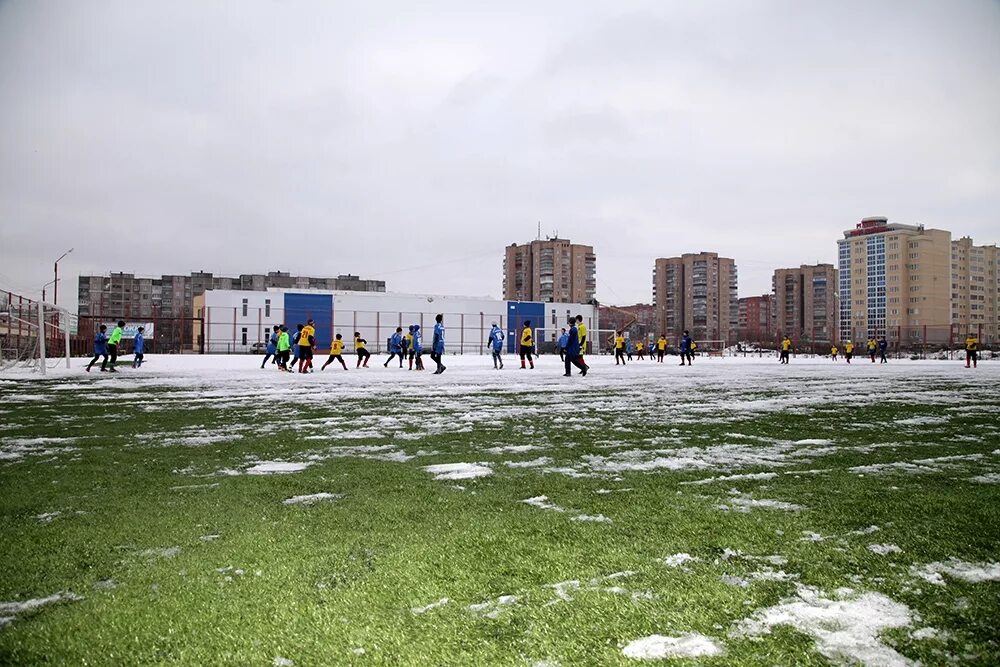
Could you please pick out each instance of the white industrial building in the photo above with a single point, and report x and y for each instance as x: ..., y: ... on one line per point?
x: 235, y: 321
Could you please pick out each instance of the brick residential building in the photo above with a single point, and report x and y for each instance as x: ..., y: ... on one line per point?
x: 756, y: 318
x: 696, y: 292
x: 805, y: 304
x: 553, y: 270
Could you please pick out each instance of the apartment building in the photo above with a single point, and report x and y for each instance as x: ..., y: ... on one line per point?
x: 551, y: 270
x: 697, y: 292
x: 805, y: 300
x: 975, y: 289
x: 756, y: 318
x: 894, y: 279
x: 170, y: 296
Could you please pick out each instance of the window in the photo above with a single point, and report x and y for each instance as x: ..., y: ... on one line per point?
x: 267, y: 307
x: 244, y: 330
x: 245, y: 306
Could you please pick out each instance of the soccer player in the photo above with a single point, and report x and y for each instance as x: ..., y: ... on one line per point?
x: 284, y: 348
x: 848, y: 351
x: 581, y: 330
x: 687, y: 348
x: 295, y: 345
x: 100, y: 348
x: 113, y: 340
x: 404, y: 345
x: 495, y: 343
x: 833, y: 353
x: 272, y: 347
x: 409, y: 344
x: 437, y: 346
x: 138, y: 345
x: 360, y: 349
x: 619, y: 347
x: 661, y: 348
x: 786, y: 349
x: 563, y: 340
x: 638, y: 350
x: 573, y: 356
x: 307, y: 339
x: 395, y: 347
x: 971, y: 350
x: 872, y: 348
x: 417, y: 349
x: 527, y: 344
x: 883, y: 345
x: 336, y: 352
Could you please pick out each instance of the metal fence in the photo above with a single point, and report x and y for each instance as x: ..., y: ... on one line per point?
x: 171, y: 335
x: 916, y: 341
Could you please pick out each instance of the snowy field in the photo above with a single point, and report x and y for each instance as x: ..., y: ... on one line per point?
x: 203, y: 511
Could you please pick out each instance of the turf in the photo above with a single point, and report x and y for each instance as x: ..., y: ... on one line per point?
x: 178, y: 556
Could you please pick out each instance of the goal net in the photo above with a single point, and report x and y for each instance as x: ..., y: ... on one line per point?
x: 712, y: 348
x: 33, y: 335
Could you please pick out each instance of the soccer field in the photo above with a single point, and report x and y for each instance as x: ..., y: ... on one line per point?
x: 735, y: 512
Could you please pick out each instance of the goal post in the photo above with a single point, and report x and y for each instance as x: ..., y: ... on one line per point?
x: 29, y: 330
x: 711, y: 348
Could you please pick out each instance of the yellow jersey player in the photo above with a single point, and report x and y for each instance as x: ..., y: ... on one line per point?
x: 336, y: 353
x: 527, y: 344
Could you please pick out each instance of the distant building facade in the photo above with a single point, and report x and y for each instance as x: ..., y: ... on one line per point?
x: 756, y: 318
x: 549, y: 271
x: 975, y: 289
x: 697, y: 292
x: 639, y: 320
x: 894, y: 280
x: 171, y: 296
x: 805, y: 302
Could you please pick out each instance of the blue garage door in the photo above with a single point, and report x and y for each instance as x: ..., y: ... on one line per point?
x: 299, y: 308
x: 518, y: 312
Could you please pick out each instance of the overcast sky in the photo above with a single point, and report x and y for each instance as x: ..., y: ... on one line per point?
x: 412, y: 143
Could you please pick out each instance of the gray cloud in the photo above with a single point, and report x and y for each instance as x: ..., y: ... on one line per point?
x: 323, y: 138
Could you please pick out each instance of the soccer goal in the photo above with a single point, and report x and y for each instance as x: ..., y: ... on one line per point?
x: 31, y: 335
x: 711, y: 348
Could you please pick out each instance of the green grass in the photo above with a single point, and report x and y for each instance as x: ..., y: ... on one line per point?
x: 319, y: 581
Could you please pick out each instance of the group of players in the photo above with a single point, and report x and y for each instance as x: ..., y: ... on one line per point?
x: 281, y: 347
x: 288, y: 350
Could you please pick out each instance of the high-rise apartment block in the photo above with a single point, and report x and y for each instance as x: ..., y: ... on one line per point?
x: 697, y: 292
x: 805, y: 301
x: 553, y: 270
x: 975, y: 289
x: 170, y: 296
x: 894, y: 281
x: 756, y: 318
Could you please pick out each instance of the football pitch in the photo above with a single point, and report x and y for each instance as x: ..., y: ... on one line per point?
x: 203, y: 511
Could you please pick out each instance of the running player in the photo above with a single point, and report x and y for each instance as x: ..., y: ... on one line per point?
x: 336, y: 352
x: 418, y: 347
x: 849, y: 351
x: 295, y: 345
x: 395, y: 347
x: 687, y: 348
x: 638, y: 350
x: 872, y: 348
x: 100, y: 348
x: 573, y: 356
x: 272, y: 347
x: 360, y: 348
x: 581, y: 330
x: 786, y: 349
x: 284, y: 349
x: 833, y: 353
x: 113, y: 341
x: 883, y: 345
x: 138, y: 347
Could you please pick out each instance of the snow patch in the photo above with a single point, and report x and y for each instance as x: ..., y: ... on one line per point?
x: 988, y: 478
x: 658, y: 647
x: 493, y: 608
x: 427, y: 608
x: 677, y: 560
x: 599, y: 518
x: 311, y: 499
x: 846, y: 627
x: 958, y: 569
x: 10, y: 610
x: 733, y: 478
x: 275, y: 468
x: 449, y: 471
x: 542, y: 502
x: 884, y: 549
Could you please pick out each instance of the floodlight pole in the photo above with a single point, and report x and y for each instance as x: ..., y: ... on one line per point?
x: 55, y: 274
x: 41, y: 336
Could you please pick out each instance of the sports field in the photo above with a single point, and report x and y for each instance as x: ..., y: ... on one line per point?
x: 737, y: 512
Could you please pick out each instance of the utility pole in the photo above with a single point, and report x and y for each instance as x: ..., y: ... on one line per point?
x: 55, y: 272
